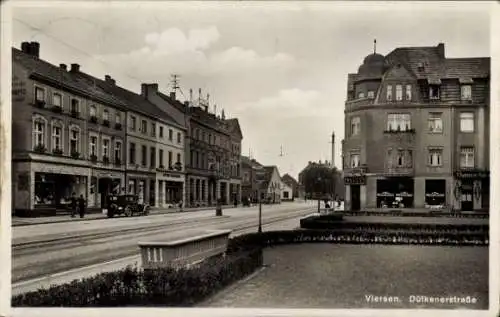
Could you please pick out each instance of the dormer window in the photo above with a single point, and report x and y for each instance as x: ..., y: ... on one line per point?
x: 389, y: 93
x: 371, y: 94
x: 361, y: 95
x: 466, y: 92
x: 434, y: 92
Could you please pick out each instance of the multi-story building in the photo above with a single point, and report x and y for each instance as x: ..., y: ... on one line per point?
x: 154, y: 148
x: 236, y: 137
x: 417, y: 131
x: 249, y: 184
x: 207, y: 147
x: 67, y: 135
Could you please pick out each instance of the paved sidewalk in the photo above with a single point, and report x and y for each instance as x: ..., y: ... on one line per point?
x: 22, y: 221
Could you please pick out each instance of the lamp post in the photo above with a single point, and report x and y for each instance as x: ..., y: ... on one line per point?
x: 260, y: 212
x: 319, y: 197
x: 218, y: 206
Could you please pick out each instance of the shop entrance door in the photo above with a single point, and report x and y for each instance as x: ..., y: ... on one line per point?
x: 355, y: 197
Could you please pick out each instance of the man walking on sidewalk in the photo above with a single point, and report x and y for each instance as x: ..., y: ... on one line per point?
x: 81, y: 205
x: 73, y: 205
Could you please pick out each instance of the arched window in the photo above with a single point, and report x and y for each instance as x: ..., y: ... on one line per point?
x: 57, y: 135
x: 39, y: 132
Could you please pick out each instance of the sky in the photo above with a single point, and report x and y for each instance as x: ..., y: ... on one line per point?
x: 279, y: 67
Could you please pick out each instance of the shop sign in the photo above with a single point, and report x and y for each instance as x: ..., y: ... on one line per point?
x: 471, y: 174
x: 355, y: 180
x: 404, y: 194
x: 385, y: 194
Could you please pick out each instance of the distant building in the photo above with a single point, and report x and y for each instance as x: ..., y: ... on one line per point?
x: 269, y: 184
x: 286, y: 191
x: 249, y: 184
x: 417, y: 131
x: 293, y: 183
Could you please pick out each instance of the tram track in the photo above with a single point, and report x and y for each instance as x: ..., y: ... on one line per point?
x: 57, y: 265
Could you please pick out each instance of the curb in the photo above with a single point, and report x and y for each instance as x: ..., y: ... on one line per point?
x: 69, y: 219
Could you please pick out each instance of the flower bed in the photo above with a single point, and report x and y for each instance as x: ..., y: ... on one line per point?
x: 270, y: 238
x: 135, y: 287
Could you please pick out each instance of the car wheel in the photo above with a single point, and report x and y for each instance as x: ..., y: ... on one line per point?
x: 128, y: 211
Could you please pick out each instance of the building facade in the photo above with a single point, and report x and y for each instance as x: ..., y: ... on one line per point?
x: 207, y: 148
x: 269, y: 180
x: 286, y: 191
x: 417, y: 131
x: 293, y: 183
x: 249, y: 185
x: 67, y: 136
x: 236, y: 137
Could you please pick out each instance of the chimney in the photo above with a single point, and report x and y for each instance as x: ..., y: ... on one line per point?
x: 109, y: 80
x: 148, y: 89
x: 75, y: 68
x: 172, y: 95
x: 63, y: 67
x: 26, y: 47
x: 440, y: 48
x: 35, y: 49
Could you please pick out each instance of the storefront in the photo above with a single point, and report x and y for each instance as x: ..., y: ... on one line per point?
x: 395, y: 192
x: 435, y: 192
x: 354, y: 183
x: 103, y: 183
x: 142, y: 185
x: 170, y: 189
x: 472, y: 190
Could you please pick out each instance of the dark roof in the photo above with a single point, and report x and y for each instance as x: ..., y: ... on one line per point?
x: 250, y: 162
x: 56, y: 75
x: 467, y: 67
x: 134, y: 102
x: 289, y: 180
x: 264, y: 177
x: 234, y: 127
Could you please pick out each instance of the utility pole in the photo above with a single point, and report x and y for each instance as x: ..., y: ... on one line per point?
x: 175, y: 82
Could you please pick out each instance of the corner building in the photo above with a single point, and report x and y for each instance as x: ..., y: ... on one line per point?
x: 417, y: 131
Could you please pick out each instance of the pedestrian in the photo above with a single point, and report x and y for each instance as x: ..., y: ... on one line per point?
x: 81, y: 205
x: 73, y: 205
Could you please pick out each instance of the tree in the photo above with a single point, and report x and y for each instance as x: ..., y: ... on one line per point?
x: 320, y: 180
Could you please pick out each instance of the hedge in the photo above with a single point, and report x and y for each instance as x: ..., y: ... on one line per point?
x: 158, y: 287
x: 431, y: 213
x: 271, y: 238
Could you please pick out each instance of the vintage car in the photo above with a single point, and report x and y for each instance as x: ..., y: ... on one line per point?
x: 127, y: 205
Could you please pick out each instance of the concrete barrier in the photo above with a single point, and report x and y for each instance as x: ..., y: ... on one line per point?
x: 184, y: 252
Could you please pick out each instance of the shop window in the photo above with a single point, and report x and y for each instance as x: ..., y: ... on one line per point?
x: 435, y: 192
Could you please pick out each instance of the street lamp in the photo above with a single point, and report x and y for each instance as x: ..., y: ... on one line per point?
x: 319, y: 196
x: 218, y: 205
x: 260, y: 211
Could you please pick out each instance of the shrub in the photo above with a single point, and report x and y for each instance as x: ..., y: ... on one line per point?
x: 155, y: 287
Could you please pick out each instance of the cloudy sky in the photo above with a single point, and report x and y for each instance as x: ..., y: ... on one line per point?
x: 281, y: 68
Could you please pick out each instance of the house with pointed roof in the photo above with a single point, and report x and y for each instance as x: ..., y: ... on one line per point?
x: 417, y: 131
x: 292, y: 183
x: 269, y: 184
x: 249, y: 184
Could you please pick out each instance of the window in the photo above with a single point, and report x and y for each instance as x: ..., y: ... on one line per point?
x: 178, y: 157
x: 466, y: 92
x: 152, y: 157
x: 209, y: 138
x: 202, y: 163
x: 389, y: 93
x: 153, y: 129
x: 74, y: 141
x: 361, y: 95
x: 39, y: 132
x: 56, y: 137
x: 161, y: 132
x: 467, y: 156
x: 160, y: 154
x: 435, y: 157
x: 118, y: 118
x: 93, y: 146
x: 75, y: 105
x: 118, y: 151
x: 408, y: 92
x: 131, y: 153
x: 400, y: 158
x: 355, y: 126
x: 435, y: 122
x: 179, y: 140
x: 93, y: 111
x: 434, y: 92
x: 354, y: 160
x: 39, y: 94
x: 170, y: 134
x: 371, y: 94
x: 144, y: 156
x: 105, y: 148
x: 57, y: 100
x: 105, y: 115
x: 399, y: 92
x: 144, y: 126
x: 169, y: 158
x: 398, y: 122
x: 197, y: 134
x: 466, y: 122
x: 203, y: 136
x: 133, y: 122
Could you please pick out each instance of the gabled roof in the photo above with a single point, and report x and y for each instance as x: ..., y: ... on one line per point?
x: 289, y: 180
x: 57, y: 76
x: 245, y: 160
x: 234, y: 127
x: 264, y: 177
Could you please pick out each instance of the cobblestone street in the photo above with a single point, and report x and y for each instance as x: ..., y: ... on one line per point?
x: 340, y: 276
